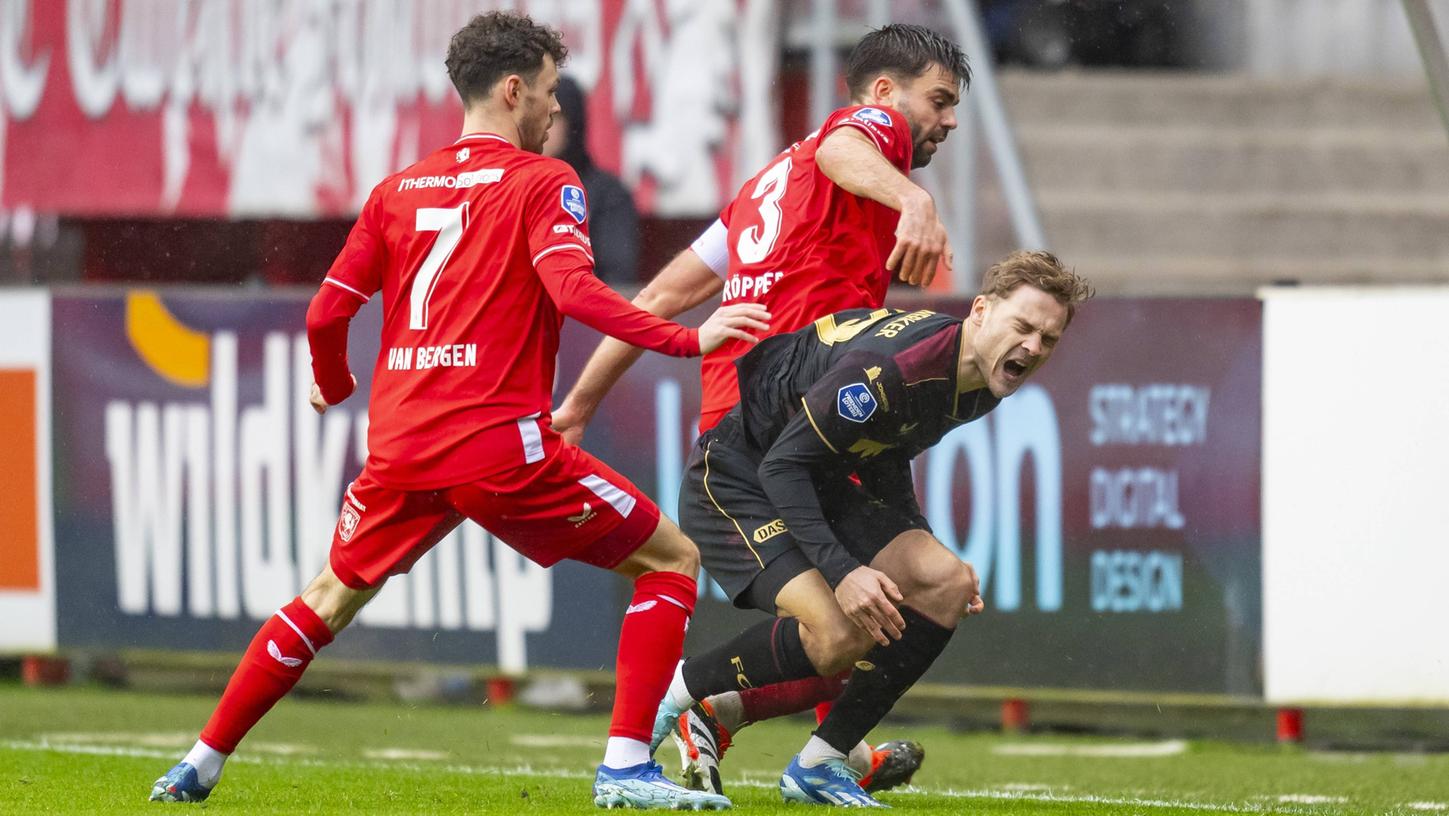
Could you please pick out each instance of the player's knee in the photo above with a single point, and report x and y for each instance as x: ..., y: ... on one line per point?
x: 668, y: 549
x: 676, y: 553
x: 949, y: 589
x: 334, y: 602
x: 833, y: 646
x: 686, y: 560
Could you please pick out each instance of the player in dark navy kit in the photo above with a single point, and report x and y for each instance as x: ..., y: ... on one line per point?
x: 802, y: 501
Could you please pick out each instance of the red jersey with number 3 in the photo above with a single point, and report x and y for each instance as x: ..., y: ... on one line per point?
x: 804, y: 247
x: 464, y: 377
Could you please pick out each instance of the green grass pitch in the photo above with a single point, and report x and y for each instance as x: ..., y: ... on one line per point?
x: 82, y: 750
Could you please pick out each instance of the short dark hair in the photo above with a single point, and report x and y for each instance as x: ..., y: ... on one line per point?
x: 494, y: 45
x: 903, y: 51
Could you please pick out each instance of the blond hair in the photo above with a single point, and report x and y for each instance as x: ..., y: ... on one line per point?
x: 1041, y: 270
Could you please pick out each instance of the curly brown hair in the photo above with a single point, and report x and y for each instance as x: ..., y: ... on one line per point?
x: 1042, y: 270
x: 495, y: 45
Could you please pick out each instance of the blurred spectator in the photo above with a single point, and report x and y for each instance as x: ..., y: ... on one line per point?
x: 613, y: 220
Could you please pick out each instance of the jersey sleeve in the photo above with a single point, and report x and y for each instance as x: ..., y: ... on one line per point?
x: 570, y: 281
x: 353, y: 278
x: 886, y: 127
x: 841, y: 421
x: 358, y: 268
x: 888, y: 477
x: 556, y: 213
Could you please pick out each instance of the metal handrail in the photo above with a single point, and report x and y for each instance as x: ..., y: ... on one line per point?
x: 1430, y: 39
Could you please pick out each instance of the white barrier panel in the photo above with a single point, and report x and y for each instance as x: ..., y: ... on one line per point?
x: 27, y: 579
x: 1355, y: 495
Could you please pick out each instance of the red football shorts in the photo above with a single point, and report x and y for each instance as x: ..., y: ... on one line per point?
x: 570, y: 505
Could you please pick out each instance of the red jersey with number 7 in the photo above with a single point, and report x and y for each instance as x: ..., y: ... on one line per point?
x: 804, y: 247
x: 479, y: 250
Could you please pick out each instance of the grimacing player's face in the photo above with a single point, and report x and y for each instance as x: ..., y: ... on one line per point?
x: 929, y: 104
x: 1015, y: 335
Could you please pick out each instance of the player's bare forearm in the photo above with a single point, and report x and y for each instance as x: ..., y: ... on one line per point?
x: 849, y: 159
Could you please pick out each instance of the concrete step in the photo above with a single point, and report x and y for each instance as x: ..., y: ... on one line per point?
x: 1166, y: 159
x: 1148, y: 275
x: 1246, y: 227
x: 1131, y: 98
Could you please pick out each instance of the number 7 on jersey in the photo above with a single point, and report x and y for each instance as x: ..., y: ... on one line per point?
x: 448, y: 222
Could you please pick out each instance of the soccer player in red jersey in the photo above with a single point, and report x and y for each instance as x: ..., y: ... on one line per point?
x: 480, y: 250
x: 819, y: 229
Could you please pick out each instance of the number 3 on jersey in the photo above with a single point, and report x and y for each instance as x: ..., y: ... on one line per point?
x: 756, y: 242
x: 448, y: 223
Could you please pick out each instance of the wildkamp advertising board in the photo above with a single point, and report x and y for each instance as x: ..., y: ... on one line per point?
x: 196, y: 492
x: 1111, y: 506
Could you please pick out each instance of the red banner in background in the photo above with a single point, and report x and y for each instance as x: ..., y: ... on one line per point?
x: 296, y: 108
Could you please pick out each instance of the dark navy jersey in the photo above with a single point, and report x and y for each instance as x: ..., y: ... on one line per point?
x: 861, y: 393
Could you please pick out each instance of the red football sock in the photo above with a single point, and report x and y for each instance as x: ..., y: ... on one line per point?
x: 650, y: 643
x: 779, y: 699
x: 273, y: 663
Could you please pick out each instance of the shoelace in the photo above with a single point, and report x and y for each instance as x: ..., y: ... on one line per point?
x: 844, y: 772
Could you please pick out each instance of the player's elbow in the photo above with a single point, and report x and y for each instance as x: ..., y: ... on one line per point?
x: 769, y: 470
x: 329, y: 307
x: 319, y: 316
x: 685, y: 283
x: 657, y: 298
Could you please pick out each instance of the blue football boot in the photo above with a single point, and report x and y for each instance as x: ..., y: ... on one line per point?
x: 832, y: 782
x: 644, y: 786
x: 179, y: 785
x: 666, y: 719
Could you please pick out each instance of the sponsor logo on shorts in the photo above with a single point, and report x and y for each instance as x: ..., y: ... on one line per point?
x: 765, y: 532
x: 875, y: 115
x: 347, y: 522
x: 865, y: 665
x: 855, y: 403
x: 587, y: 514
x: 571, y: 198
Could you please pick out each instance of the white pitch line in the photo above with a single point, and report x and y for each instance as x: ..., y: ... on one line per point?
x: 1311, y: 799
x: 1130, y: 750
x: 404, y: 753
x: 559, y: 773
x: 1431, y: 806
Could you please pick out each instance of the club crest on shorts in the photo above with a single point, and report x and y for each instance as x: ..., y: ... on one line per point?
x: 875, y: 115
x: 854, y: 402
x: 571, y: 198
x: 347, y: 522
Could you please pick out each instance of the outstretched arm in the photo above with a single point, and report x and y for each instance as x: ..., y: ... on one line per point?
x: 685, y: 282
